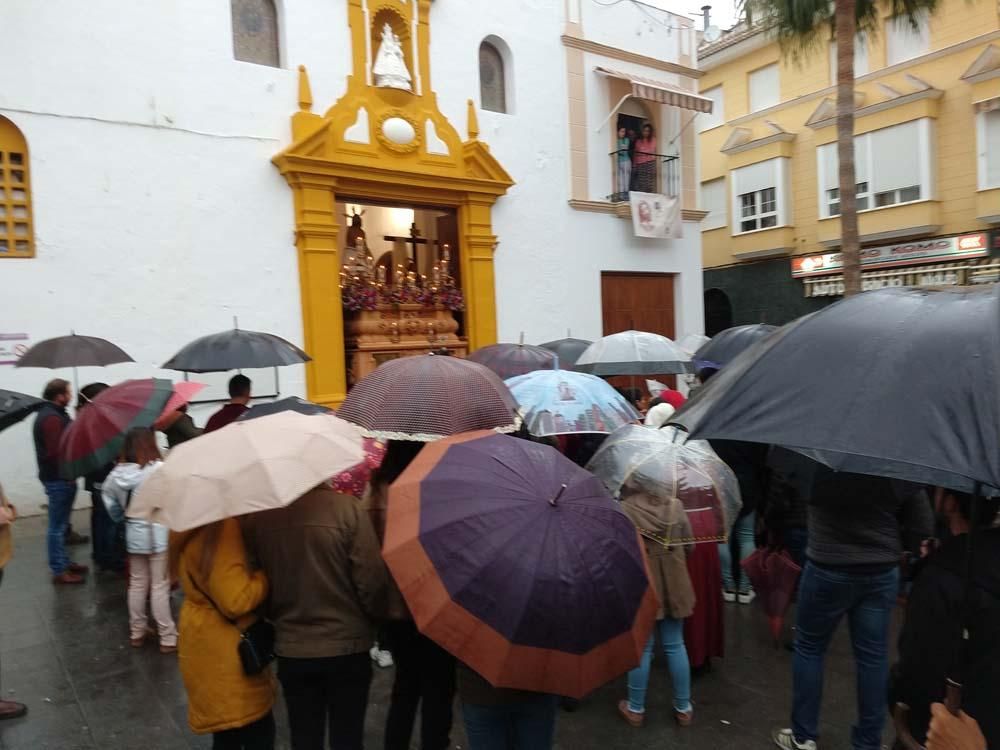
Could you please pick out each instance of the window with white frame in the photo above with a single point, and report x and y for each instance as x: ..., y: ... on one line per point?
x: 891, y: 166
x: 906, y: 38
x: 717, y: 116
x: 713, y: 200
x: 760, y: 195
x: 860, y: 58
x: 764, y: 89
x: 988, y: 123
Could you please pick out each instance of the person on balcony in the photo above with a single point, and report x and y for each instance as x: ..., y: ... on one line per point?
x: 644, y: 161
x: 623, y: 158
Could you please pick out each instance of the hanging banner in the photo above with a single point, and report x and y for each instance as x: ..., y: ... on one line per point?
x: 656, y: 216
x: 12, y: 347
x: 934, y: 250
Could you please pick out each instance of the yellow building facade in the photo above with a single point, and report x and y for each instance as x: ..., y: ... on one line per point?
x: 927, y: 154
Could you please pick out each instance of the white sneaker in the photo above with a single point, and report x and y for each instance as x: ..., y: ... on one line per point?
x: 785, y: 739
x: 746, y: 598
x: 729, y: 596
x: 380, y: 657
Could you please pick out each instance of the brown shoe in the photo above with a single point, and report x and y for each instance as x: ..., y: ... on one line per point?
x: 137, y: 642
x: 67, y: 578
x: 629, y: 715
x: 168, y: 649
x: 684, y: 718
x: 77, y: 568
x: 12, y: 710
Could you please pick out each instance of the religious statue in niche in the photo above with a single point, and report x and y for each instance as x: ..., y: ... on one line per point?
x: 390, y: 69
x: 356, y: 229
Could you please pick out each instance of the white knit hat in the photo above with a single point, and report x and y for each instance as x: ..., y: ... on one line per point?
x: 659, y: 415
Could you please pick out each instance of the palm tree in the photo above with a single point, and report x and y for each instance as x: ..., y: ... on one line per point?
x: 803, y: 25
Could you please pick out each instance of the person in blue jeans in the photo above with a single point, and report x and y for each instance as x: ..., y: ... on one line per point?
x: 856, y: 526
x: 663, y: 525
x: 50, y: 423
x: 742, y: 538
x: 503, y: 719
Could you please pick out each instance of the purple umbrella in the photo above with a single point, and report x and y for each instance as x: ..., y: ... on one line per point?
x: 511, y: 360
x: 519, y: 563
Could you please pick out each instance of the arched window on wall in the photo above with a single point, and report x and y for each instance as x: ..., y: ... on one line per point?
x: 16, y: 232
x: 255, y: 32
x: 492, y: 77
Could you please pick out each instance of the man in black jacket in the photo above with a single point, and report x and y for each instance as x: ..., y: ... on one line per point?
x: 931, y: 636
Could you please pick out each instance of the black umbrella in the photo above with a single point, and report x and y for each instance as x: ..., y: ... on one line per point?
x: 568, y: 350
x: 292, y: 403
x: 726, y: 345
x: 16, y: 406
x: 73, y: 351
x: 236, y: 350
x: 897, y: 382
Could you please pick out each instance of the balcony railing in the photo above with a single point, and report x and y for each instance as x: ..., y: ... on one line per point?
x: 643, y: 172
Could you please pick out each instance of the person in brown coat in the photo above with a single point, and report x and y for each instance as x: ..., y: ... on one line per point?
x: 328, y: 584
x: 664, y: 527
x: 8, y: 514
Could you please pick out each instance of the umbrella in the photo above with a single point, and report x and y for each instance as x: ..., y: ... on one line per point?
x: 692, y: 342
x: 896, y: 382
x: 95, y: 439
x: 246, y: 467
x: 663, y: 464
x: 511, y: 360
x: 633, y: 353
x: 16, y: 406
x: 726, y: 345
x: 183, y: 393
x: 774, y: 576
x: 236, y: 350
x: 73, y: 351
x: 354, y: 481
x: 429, y: 397
x: 560, y: 402
x: 568, y: 350
x: 292, y: 403
x: 518, y: 562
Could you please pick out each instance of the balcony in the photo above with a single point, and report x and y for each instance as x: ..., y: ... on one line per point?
x: 643, y: 172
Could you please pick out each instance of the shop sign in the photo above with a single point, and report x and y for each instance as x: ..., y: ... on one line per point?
x: 906, y: 253
x: 12, y: 347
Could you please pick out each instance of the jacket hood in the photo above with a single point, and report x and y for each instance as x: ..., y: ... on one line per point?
x: 127, y: 476
x: 659, y: 519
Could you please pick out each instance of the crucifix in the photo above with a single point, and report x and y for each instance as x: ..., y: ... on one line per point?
x: 415, y: 240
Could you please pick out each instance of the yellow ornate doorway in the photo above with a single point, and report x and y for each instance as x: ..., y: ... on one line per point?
x: 385, y: 142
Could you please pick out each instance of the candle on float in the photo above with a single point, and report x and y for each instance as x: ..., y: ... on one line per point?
x: 380, y: 275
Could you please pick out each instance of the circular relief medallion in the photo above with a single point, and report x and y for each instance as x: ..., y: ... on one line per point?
x: 398, y: 133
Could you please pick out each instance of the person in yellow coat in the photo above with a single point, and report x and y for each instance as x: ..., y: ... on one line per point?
x: 221, y: 592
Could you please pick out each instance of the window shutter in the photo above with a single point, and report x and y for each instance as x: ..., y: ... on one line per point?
x: 827, y: 160
x: 896, y: 154
x: 759, y: 176
x: 992, y: 147
x: 713, y: 200
x: 764, y: 90
x: 903, y: 41
x: 718, y: 114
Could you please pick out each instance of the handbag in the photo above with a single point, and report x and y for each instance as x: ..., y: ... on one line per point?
x: 256, y: 646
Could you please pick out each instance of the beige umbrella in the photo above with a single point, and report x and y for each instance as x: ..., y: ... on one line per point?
x: 247, y: 467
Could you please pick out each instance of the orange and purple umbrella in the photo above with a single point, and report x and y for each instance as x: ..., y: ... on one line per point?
x: 520, y: 564
x: 96, y: 437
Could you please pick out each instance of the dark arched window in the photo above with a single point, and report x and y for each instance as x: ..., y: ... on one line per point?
x: 718, y: 311
x: 492, y: 78
x: 255, y: 32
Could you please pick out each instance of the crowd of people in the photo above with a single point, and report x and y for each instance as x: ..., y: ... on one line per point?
x: 314, y: 571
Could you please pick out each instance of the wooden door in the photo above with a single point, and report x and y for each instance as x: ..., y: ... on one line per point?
x: 640, y: 302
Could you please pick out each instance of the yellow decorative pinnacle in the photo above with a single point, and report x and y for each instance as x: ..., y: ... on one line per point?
x: 305, y: 90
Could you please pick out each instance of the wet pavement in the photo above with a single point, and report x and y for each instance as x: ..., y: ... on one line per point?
x: 64, y: 651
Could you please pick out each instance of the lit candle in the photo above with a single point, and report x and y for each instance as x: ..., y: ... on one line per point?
x: 380, y: 274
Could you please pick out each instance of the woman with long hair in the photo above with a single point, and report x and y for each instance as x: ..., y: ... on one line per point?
x: 644, y: 161
x: 145, y: 541
x: 221, y: 592
x: 425, y: 672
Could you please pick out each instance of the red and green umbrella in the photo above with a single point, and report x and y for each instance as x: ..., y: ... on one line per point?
x: 96, y: 437
x: 519, y: 563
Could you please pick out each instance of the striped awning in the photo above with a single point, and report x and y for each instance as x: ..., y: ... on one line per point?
x: 660, y: 92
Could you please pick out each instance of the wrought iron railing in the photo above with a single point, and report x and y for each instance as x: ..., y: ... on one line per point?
x: 643, y: 172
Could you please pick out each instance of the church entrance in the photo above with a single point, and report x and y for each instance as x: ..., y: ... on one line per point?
x: 400, y: 283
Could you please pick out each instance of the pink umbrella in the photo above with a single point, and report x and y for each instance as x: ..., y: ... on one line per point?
x: 774, y: 576
x: 184, y: 391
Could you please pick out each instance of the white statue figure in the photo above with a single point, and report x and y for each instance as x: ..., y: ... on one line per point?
x: 390, y: 68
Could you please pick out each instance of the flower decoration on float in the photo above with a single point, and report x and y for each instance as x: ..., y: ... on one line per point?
x: 365, y: 285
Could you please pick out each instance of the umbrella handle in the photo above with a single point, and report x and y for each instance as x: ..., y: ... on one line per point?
x: 901, y: 715
x: 953, y: 697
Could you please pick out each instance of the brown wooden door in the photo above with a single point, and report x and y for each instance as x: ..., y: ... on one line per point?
x: 640, y: 302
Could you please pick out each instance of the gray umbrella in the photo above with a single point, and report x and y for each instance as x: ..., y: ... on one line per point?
x: 900, y: 383
x: 633, y: 353
x: 73, y: 351
x: 292, y: 403
x: 236, y: 350
x: 726, y: 345
x: 568, y: 350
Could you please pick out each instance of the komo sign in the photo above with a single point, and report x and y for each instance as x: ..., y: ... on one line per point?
x: 905, y: 254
